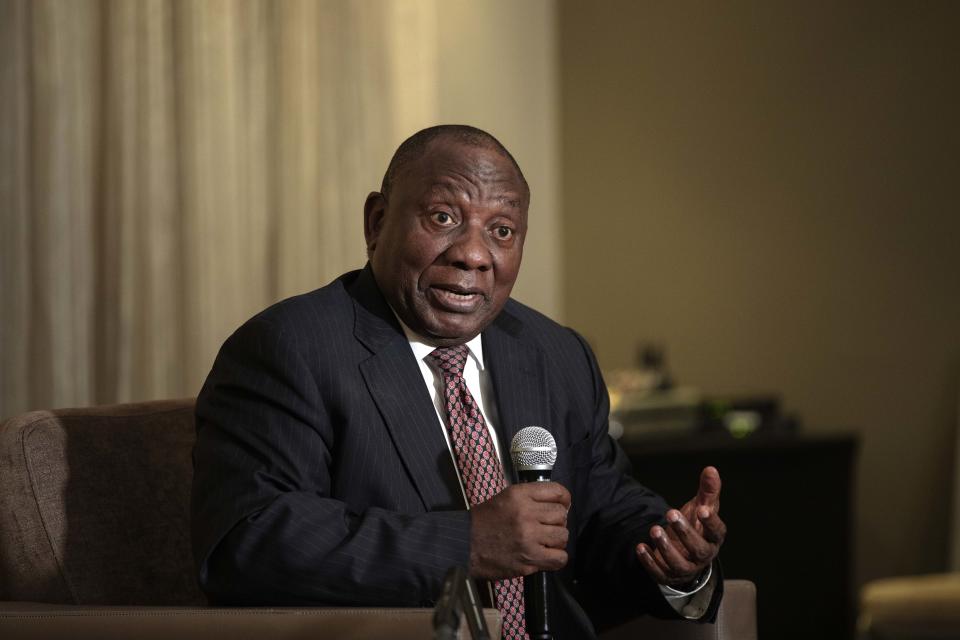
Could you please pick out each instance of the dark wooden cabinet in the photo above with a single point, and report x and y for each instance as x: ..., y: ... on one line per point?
x: 788, y: 504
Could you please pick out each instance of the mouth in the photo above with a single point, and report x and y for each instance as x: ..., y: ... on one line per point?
x: 455, y: 299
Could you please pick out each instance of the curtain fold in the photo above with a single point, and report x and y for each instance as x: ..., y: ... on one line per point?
x: 171, y: 167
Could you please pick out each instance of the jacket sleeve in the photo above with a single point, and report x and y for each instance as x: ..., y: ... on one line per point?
x: 613, y: 585
x: 266, y: 529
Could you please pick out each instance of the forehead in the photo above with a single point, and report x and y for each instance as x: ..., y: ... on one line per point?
x: 448, y: 166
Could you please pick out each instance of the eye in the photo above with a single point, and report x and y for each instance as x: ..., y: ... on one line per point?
x: 504, y: 233
x: 442, y: 218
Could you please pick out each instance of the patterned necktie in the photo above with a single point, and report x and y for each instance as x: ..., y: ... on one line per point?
x: 480, y: 468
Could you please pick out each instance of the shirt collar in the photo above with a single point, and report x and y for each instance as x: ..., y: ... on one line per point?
x: 422, y: 347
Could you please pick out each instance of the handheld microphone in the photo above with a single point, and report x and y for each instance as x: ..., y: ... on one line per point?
x: 534, y: 452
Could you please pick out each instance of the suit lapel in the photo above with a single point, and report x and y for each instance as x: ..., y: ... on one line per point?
x: 393, y: 379
x: 518, y: 374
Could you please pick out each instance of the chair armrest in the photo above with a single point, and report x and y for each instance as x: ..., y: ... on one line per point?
x: 911, y: 607
x: 30, y: 621
x: 736, y: 620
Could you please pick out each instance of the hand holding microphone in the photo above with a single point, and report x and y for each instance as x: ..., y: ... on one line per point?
x: 522, y: 529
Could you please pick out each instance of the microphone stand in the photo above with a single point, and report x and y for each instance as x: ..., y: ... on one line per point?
x: 459, y: 595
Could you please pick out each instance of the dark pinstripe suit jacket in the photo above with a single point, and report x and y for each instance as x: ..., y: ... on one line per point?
x: 322, y: 475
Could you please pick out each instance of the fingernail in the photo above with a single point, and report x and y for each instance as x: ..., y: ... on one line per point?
x: 657, y: 533
x: 703, y: 512
x: 642, y: 550
x: 673, y: 516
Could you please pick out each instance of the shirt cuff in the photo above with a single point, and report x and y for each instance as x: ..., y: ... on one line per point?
x: 692, y: 604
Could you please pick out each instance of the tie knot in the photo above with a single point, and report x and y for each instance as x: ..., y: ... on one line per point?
x: 451, y: 360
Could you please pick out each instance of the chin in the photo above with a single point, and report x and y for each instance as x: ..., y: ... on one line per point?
x: 454, y: 332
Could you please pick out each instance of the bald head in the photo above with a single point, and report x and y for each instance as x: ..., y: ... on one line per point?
x: 445, y: 235
x: 414, y: 147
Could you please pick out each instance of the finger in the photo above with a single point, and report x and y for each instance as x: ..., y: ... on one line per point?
x: 662, y: 564
x: 714, y: 529
x: 658, y: 558
x: 673, y: 536
x: 708, y: 493
x: 551, y: 513
x: 689, y: 512
x: 678, y: 565
x: 551, y: 560
x: 645, y: 556
x: 548, y: 492
x: 691, y: 545
x: 554, y: 537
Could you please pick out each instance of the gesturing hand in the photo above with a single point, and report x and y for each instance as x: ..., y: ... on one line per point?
x: 521, y: 530
x: 692, y: 538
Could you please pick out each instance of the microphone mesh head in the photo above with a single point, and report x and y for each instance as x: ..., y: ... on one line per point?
x: 533, y: 448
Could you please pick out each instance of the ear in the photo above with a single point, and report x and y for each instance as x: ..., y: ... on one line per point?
x: 374, y: 210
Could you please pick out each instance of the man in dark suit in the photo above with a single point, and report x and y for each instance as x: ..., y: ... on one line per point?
x: 332, y: 465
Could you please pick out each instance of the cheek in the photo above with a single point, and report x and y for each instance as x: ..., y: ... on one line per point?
x: 507, y: 268
x: 422, y: 255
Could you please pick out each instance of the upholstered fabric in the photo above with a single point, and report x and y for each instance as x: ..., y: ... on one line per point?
x: 736, y: 620
x: 41, y: 622
x: 911, y: 608
x: 95, y: 505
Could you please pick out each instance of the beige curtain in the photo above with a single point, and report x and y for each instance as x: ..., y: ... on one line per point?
x: 168, y: 168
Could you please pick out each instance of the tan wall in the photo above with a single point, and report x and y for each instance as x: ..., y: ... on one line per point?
x: 771, y: 190
x: 498, y: 71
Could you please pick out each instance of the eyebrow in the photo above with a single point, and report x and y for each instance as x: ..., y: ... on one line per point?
x: 441, y: 188
x: 510, y: 201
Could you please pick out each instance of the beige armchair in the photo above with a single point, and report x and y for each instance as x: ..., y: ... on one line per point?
x: 925, y: 607
x: 94, y: 543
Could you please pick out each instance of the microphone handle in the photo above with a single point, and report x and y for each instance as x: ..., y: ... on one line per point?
x: 537, y: 606
x: 535, y: 591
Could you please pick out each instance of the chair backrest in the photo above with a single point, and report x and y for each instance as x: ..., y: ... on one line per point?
x: 94, y: 505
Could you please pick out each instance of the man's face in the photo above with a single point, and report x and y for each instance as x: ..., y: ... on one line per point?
x: 446, y: 248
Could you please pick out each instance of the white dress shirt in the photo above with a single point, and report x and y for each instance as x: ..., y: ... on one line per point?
x: 478, y: 383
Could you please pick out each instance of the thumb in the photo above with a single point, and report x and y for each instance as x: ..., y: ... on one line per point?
x: 709, y: 492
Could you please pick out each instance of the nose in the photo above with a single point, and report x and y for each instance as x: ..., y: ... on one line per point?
x: 469, y: 250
